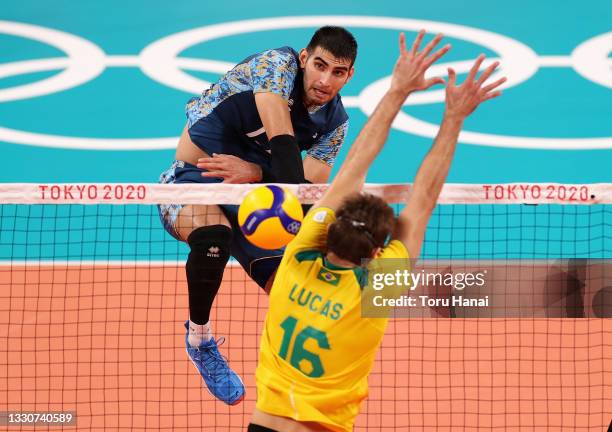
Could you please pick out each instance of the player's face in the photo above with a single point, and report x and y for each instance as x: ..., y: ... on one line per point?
x: 324, y: 75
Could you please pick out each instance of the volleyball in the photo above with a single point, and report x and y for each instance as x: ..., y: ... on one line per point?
x: 270, y: 216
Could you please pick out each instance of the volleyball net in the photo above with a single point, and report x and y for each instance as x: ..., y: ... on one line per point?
x: 93, y: 298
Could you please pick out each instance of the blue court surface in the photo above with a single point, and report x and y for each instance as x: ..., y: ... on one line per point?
x: 95, y: 91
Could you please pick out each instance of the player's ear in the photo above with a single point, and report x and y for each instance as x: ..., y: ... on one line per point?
x: 303, y: 57
x: 350, y: 74
x: 375, y: 252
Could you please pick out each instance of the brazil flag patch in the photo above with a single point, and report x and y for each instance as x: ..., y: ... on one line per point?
x: 328, y: 277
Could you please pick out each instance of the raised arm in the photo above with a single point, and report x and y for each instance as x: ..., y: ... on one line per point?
x: 461, y: 101
x: 408, y: 76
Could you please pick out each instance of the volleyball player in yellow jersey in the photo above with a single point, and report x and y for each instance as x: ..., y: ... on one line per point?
x: 316, y: 349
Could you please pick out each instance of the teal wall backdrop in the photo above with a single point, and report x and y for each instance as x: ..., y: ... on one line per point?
x: 123, y: 102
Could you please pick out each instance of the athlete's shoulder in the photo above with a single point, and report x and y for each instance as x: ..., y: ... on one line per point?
x: 276, y: 57
x: 274, y: 71
x: 319, y: 217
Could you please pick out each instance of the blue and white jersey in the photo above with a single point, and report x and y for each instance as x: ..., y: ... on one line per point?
x: 224, y: 119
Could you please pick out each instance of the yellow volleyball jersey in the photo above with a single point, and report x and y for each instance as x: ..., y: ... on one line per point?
x: 316, y: 350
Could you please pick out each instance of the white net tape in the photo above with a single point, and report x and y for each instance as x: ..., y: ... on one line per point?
x: 135, y: 193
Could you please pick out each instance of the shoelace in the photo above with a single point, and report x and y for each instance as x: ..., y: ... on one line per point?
x: 215, y: 360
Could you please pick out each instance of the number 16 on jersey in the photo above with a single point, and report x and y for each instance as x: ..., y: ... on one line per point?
x: 300, y: 357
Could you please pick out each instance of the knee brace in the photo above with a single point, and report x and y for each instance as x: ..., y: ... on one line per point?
x: 210, y: 251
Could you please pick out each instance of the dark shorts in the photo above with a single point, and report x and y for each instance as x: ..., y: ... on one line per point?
x: 259, y: 263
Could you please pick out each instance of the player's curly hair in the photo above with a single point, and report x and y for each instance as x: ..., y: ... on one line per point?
x: 336, y: 40
x: 363, y: 223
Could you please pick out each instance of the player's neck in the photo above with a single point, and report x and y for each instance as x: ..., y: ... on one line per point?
x: 334, y: 259
x: 310, y: 106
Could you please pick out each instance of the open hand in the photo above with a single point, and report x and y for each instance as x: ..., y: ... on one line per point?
x: 410, y: 68
x: 462, y: 100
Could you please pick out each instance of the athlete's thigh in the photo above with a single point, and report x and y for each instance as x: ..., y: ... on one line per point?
x: 191, y: 217
x: 180, y: 220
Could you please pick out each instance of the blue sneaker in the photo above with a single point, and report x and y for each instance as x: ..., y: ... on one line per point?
x: 222, y: 382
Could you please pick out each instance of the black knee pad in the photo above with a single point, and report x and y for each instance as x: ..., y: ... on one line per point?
x: 211, y: 242
x: 210, y: 251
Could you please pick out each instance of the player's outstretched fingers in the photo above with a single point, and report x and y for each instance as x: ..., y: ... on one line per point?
x: 494, y: 85
x: 402, y: 44
x: 417, y: 43
x: 452, y: 77
x: 436, y: 56
x: 475, y: 68
x: 432, y: 44
x: 492, y: 95
x: 433, y: 81
x: 487, y: 73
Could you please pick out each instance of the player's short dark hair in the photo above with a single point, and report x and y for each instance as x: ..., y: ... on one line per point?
x: 336, y: 40
x: 363, y: 223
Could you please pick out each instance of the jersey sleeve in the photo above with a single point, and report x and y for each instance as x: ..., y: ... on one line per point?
x: 273, y: 71
x: 328, y: 145
x: 313, y: 232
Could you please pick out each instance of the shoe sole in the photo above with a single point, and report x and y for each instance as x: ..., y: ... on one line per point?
x: 239, y: 400
x: 236, y: 402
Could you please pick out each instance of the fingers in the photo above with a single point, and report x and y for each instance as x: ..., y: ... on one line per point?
x: 216, y: 166
x: 487, y: 73
x: 209, y: 164
x: 475, y: 68
x: 212, y: 169
x: 215, y: 156
x: 434, y: 58
x: 417, y: 43
x: 402, y: 44
x: 217, y: 160
x: 433, y: 81
x: 432, y: 44
x: 492, y: 95
x: 222, y: 156
x: 215, y: 174
x: 494, y: 85
x: 452, y: 77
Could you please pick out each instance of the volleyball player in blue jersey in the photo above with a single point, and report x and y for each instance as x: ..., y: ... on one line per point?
x: 249, y: 127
